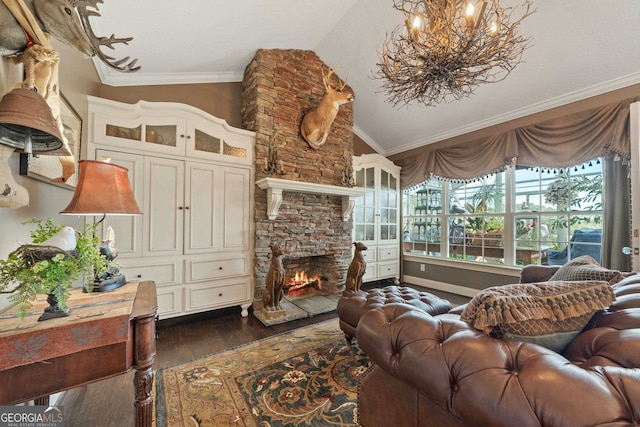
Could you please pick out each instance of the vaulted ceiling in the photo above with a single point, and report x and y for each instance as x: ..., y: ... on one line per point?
x: 580, y: 48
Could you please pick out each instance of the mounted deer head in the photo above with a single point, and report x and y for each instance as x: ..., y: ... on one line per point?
x: 316, y: 124
x: 57, y: 18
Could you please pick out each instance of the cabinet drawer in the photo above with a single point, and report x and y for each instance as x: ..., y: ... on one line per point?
x: 200, y: 269
x: 387, y: 269
x: 387, y: 253
x: 163, y: 272
x: 370, y: 273
x: 199, y: 297
x: 369, y: 255
x: 169, y: 301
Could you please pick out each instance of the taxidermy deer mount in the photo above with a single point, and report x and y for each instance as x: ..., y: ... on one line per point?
x: 316, y: 123
x: 57, y: 18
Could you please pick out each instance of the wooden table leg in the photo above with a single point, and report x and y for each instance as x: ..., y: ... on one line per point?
x: 145, y: 352
x: 143, y: 382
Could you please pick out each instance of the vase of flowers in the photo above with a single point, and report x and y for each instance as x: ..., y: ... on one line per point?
x: 42, y: 268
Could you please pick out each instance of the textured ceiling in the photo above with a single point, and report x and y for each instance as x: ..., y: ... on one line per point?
x: 580, y: 48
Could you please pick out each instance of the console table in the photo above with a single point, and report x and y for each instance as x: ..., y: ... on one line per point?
x: 106, y: 334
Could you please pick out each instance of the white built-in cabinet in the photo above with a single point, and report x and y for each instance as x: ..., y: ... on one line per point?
x: 376, y: 216
x: 192, y: 175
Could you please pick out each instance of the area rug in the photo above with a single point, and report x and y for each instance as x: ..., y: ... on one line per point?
x: 305, y: 377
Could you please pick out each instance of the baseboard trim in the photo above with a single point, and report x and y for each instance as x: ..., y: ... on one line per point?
x: 441, y: 286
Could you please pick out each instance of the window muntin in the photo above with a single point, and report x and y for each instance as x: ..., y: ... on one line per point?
x: 516, y: 217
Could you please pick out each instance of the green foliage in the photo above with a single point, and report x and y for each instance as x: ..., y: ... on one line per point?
x: 44, y: 230
x: 486, y: 199
x: 494, y: 225
x: 24, y: 275
x: 576, y: 193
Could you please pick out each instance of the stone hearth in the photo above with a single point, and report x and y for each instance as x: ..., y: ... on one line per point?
x: 279, y: 87
x: 307, y: 303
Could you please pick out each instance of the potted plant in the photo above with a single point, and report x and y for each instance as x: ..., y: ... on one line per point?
x: 44, y: 269
x: 482, y: 229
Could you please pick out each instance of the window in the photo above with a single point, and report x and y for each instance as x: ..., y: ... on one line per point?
x: 516, y: 217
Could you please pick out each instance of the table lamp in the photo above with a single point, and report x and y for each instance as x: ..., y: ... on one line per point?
x: 103, y: 189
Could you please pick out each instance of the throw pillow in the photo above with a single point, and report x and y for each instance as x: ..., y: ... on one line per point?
x: 538, y: 309
x: 586, y: 268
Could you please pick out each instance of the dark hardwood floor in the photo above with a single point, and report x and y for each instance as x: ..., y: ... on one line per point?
x: 109, y: 403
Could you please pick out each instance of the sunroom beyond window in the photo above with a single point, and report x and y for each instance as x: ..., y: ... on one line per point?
x: 517, y: 217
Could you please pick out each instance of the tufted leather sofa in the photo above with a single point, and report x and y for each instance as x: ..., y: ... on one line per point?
x: 438, y: 371
x: 355, y: 304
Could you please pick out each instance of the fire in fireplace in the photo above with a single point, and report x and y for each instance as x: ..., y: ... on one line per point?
x: 301, y: 281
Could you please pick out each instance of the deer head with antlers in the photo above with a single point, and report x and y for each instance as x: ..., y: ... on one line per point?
x: 316, y: 123
x: 58, y: 19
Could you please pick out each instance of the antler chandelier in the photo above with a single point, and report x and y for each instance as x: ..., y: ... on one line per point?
x: 448, y: 47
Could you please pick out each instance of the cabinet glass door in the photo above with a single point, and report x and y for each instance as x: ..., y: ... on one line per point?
x: 211, y: 143
x: 158, y: 134
x: 388, y: 206
x: 364, y: 213
x: 161, y: 135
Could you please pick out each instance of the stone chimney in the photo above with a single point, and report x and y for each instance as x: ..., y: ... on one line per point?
x: 279, y: 87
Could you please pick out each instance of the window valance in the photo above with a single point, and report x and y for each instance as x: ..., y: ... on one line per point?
x: 556, y: 143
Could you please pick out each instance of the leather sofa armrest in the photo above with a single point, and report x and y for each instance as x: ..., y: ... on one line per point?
x: 487, y: 381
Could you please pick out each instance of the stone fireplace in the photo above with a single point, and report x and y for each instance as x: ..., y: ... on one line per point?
x: 307, y: 223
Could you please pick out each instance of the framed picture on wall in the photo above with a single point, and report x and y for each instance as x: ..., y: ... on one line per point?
x: 50, y: 168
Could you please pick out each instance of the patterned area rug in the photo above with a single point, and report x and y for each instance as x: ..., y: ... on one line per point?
x: 305, y: 377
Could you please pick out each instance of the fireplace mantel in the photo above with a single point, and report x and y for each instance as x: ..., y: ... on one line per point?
x: 275, y: 187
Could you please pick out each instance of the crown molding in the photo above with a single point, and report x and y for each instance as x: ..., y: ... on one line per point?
x: 370, y: 141
x: 116, y: 78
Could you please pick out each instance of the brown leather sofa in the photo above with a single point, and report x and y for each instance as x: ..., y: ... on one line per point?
x: 438, y: 371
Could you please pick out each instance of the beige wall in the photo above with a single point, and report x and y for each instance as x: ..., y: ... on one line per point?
x: 45, y: 200
x: 79, y: 78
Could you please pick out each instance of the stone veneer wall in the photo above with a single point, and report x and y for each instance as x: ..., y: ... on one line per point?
x: 278, y: 88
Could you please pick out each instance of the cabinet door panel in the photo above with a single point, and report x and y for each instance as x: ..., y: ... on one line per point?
x: 236, y: 208
x: 164, y: 206
x: 377, y: 215
x: 200, y: 218
x: 128, y: 229
x: 388, y: 207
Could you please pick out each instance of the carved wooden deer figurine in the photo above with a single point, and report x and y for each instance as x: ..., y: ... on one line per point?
x: 316, y: 123
x: 356, y: 270
x: 274, y: 282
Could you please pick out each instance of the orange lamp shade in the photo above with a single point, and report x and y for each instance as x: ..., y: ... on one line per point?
x: 103, y: 189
